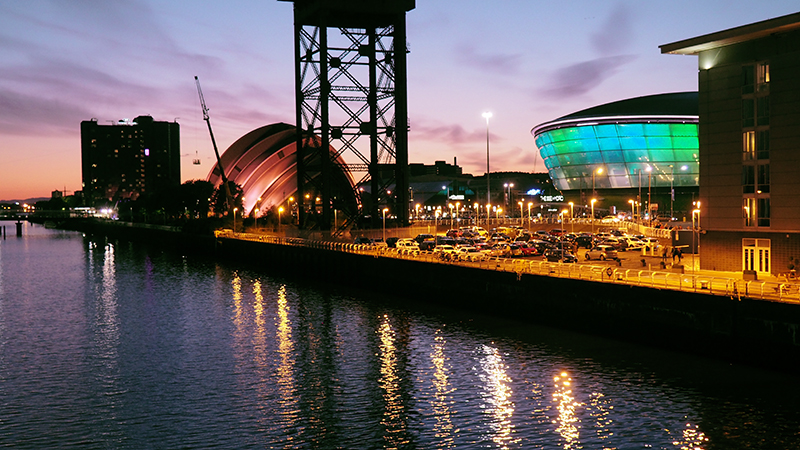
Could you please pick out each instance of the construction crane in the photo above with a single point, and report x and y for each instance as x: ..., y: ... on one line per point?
x: 228, y: 196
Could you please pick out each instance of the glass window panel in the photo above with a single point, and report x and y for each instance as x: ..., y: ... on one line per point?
x: 666, y: 155
x: 748, y: 112
x: 763, y: 178
x: 613, y: 156
x: 550, y: 162
x: 560, y: 148
x: 589, y: 145
x: 573, y: 171
x: 571, y: 133
x: 683, y: 129
x: 593, y: 158
x: 763, y: 212
x: 636, y: 155
x: 633, y: 143
x: 685, y: 156
x: 557, y: 135
x: 586, y: 132
x: 609, y: 143
x: 630, y: 129
x: 763, y: 111
x: 749, y: 212
x: 685, y: 142
x: 605, y: 131
x: 748, y: 179
x: 748, y: 79
x: 619, y: 182
x: 656, y: 129
x: 659, y: 142
x: 762, y: 144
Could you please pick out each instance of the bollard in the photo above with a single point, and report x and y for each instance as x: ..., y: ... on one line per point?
x: 19, y: 229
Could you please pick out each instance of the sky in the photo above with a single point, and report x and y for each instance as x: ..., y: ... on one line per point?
x: 526, y: 61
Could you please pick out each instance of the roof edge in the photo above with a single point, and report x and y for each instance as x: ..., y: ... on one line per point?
x: 695, y: 45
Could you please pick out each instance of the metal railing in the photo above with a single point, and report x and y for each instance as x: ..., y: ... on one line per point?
x: 700, y: 283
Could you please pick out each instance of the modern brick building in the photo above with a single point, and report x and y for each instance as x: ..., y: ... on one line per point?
x: 128, y: 159
x: 749, y: 141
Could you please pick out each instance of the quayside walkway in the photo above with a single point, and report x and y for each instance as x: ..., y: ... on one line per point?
x: 727, y: 284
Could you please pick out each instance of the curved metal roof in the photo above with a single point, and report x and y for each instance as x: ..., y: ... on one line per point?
x: 264, y: 163
x: 671, y: 104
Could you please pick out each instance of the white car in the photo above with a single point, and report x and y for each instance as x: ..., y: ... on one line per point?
x: 469, y: 254
x: 444, y: 251
x: 407, y: 247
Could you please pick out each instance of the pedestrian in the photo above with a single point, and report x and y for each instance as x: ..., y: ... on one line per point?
x: 674, y: 254
x: 664, y: 254
x: 680, y: 255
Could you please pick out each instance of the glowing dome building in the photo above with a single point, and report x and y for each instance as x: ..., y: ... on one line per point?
x: 264, y: 163
x: 645, y: 142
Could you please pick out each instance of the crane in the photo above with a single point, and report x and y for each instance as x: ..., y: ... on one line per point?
x: 228, y: 196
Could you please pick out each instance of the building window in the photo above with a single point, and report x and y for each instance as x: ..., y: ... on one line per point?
x: 763, y: 212
x: 748, y: 79
x: 763, y: 110
x: 748, y: 112
x: 762, y: 76
x: 748, y: 179
x: 749, y: 145
x: 749, y: 212
x: 762, y: 178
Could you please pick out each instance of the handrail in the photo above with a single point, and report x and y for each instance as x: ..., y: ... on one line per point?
x: 698, y: 283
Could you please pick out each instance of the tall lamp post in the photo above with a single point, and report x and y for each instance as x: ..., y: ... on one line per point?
x: 571, y: 217
x: 255, y: 219
x: 384, y: 224
x: 234, y: 219
x: 529, y: 214
x: 593, y: 201
x: 649, y: 189
x: 671, y: 190
x: 477, y: 213
x: 487, y: 115
x: 488, y: 213
x: 696, y: 229
x: 507, y: 200
x: 521, y: 213
x: 280, y: 211
x: 633, y: 215
x: 598, y: 171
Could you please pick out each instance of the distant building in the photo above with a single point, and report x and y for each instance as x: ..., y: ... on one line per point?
x: 128, y: 159
x: 749, y: 82
x: 641, y: 149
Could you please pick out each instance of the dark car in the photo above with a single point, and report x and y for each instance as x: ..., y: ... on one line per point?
x: 392, y: 241
x: 363, y: 240
x: 556, y: 255
x: 584, y: 240
x: 422, y: 237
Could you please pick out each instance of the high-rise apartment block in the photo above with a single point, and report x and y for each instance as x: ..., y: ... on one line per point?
x: 128, y: 159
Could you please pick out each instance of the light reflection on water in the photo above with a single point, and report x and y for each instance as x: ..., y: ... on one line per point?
x: 118, y: 346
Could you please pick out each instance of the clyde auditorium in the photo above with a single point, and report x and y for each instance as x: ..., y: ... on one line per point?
x: 643, y: 149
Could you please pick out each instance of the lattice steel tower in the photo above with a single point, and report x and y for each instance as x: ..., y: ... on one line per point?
x: 351, y: 96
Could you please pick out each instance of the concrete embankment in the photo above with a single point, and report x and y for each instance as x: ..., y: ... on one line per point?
x: 742, y: 330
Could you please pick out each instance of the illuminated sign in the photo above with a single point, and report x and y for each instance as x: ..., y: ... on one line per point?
x: 552, y: 198
x: 534, y: 192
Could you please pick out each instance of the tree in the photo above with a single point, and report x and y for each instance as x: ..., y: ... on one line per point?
x: 218, y: 200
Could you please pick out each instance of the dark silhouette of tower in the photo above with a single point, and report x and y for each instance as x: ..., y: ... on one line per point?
x: 351, y: 93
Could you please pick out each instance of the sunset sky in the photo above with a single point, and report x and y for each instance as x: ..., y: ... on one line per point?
x: 526, y: 61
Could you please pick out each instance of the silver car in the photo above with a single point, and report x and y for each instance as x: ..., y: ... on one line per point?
x: 601, y: 252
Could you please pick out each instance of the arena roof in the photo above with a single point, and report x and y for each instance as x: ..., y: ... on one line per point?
x: 671, y: 104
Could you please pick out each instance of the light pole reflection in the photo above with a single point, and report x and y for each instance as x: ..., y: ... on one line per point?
x: 497, y: 396
x: 567, y: 421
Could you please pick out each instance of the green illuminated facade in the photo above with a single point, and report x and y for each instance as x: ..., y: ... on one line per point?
x: 648, y: 142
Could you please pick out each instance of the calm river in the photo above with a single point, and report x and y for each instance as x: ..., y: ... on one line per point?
x: 109, y: 344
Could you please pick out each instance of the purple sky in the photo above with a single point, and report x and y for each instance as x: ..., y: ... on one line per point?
x: 526, y: 61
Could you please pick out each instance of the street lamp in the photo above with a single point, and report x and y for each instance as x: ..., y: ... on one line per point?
x: 529, y: 214
x: 416, y: 208
x: 436, y: 220
x: 280, y: 210
x: 384, y: 224
x: 488, y: 213
x: 477, y: 213
x: 633, y: 215
x: 598, y: 172
x: 571, y: 219
x: 649, y: 188
x: 507, y: 200
x: 497, y: 213
x: 486, y: 116
x: 521, y: 214
x: 696, y: 229
x: 451, y: 215
x: 255, y: 219
x: 458, y: 209
x: 234, y: 219
x: 593, y: 201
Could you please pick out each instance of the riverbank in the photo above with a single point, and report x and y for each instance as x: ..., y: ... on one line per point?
x: 741, y: 330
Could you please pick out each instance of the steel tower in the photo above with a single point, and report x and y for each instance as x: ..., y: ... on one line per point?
x: 351, y: 93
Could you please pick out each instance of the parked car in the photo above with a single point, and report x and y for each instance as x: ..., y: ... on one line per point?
x: 392, y: 241
x: 469, y: 254
x: 601, y: 252
x: 422, y: 237
x: 444, y: 251
x: 363, y: 240
x: 584, y: 240
x: 556, y: 255
x: 407, y: 246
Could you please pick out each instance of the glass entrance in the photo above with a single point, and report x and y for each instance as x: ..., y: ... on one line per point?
x: 756, y: 255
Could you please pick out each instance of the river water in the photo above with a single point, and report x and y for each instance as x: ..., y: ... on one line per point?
x: 111, y: 344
